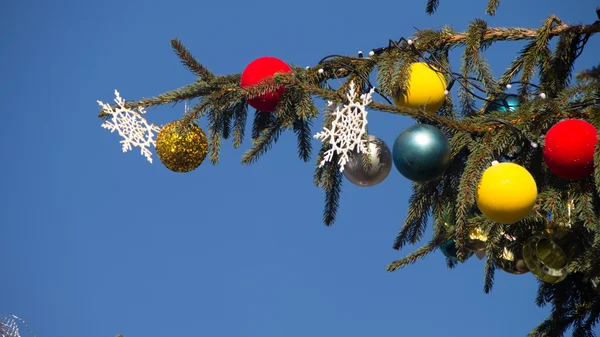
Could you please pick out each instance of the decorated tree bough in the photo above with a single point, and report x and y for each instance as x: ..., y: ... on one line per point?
x: 516, y: 180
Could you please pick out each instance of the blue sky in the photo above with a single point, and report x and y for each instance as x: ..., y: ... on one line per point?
x: 96, y: 242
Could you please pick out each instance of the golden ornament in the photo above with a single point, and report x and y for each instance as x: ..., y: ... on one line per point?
x: 510, y: 263
x: 549, y: 253
x: 426, y: 87
x: 181, y: 148
x: 506, y: 193
x: 476, y: 240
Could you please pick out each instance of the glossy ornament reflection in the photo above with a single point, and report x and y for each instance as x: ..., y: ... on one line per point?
x: 548, y: 255
x: 510, y: 262
x: 370, y: 173
x: 421, y: 153
x: 476, y: 240
x: 506, y: 102
x: 451, y: 251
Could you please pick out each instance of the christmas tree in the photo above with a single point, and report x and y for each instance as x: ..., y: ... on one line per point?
x: 514, y: 177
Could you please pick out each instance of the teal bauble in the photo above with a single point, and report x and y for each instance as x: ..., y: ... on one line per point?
x: 505, y: 102
x: 450, y: 250
x: 421, y: 153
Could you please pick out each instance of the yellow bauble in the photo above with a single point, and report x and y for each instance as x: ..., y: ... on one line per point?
x: 506, y: 193
x: 425, y: 88
x: 181, y: 148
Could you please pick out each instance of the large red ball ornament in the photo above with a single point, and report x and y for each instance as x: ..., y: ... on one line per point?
x: 569, y: 149
x: 258, y: 71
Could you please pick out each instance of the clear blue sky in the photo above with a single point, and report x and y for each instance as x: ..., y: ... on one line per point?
x: 96, y: 242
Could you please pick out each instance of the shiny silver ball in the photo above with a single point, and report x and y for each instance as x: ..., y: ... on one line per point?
x: 377, y: 169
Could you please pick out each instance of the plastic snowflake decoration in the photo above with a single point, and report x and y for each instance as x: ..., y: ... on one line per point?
x: 348, y: 127
x: 9, y: 326
x: 130, y: 125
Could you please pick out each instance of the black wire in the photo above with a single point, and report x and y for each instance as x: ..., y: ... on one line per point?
x: 353, y: 70
x: 455, y: 77
x: 518, y: 134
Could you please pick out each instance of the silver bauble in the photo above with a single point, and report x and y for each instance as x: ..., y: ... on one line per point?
x: 380, y: 164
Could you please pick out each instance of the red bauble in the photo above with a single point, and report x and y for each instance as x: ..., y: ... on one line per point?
x: 569, y: 149
x: 256, y: 72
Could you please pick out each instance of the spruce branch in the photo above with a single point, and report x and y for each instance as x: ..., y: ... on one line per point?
x: 303, y: 133
x: 432, y: 6
x: 480, y: 159
x: 184, y: 93
x: 493, y: 241
x: 332, y: 184
x: 589, y: 74
x: 597, y: 167
x: 415, y: 224
x: 264, y: 141
x: 415, y: 256
x: 240, y: 115
x: 492, y: 6
x: 216, y: 127
x: 189, y: 61
x: 502, y: 34
x: 472, y: 56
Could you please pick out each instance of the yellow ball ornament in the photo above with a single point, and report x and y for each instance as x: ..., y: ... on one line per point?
x: 426, y: 87
x: 506, y: 193
x: 181, y: 148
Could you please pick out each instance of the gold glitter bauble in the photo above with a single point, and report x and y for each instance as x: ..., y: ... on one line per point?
x: 181, y: 150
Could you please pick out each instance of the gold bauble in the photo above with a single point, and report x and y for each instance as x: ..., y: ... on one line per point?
x: 181, y: 148
x: 510, y: 263
x: 476, y: 240
x: 595, y: 282
x: 426, y: 87
x: 549, y: 253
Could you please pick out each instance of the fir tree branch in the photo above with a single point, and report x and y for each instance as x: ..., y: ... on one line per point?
x: 584, y: 207
x: 473, y: 58
x: 494, y: 236
x: 303, y: 133
x: 597, y: 166
x: 504, y: 34
x: 226, y: 117
x: 432, y: 6
x: 557, y: 77
x: 199, y: 109
x: 189, y: 61
x: 240, y: 115
x: 480, y: 159
x: 415, y: 256
x: 492, y: 6
x: 215, y: 130
x: 184, y: 93
x: 332, y: 184
x: 589, y: 74
x: 415, y: 223
x: 263, y: 142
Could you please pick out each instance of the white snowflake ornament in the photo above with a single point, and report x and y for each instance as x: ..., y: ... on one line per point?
x: 9, y: 326
x: 348, y: 127
x: 130, y: 125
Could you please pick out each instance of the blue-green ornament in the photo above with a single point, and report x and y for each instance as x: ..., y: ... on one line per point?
x: 421, y: 153
x: 505, y: 102
x: 450, y: 250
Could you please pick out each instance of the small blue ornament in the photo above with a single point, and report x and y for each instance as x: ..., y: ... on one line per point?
x: 421, y: 153
x: 449, y: 249
x: 505, y: 102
